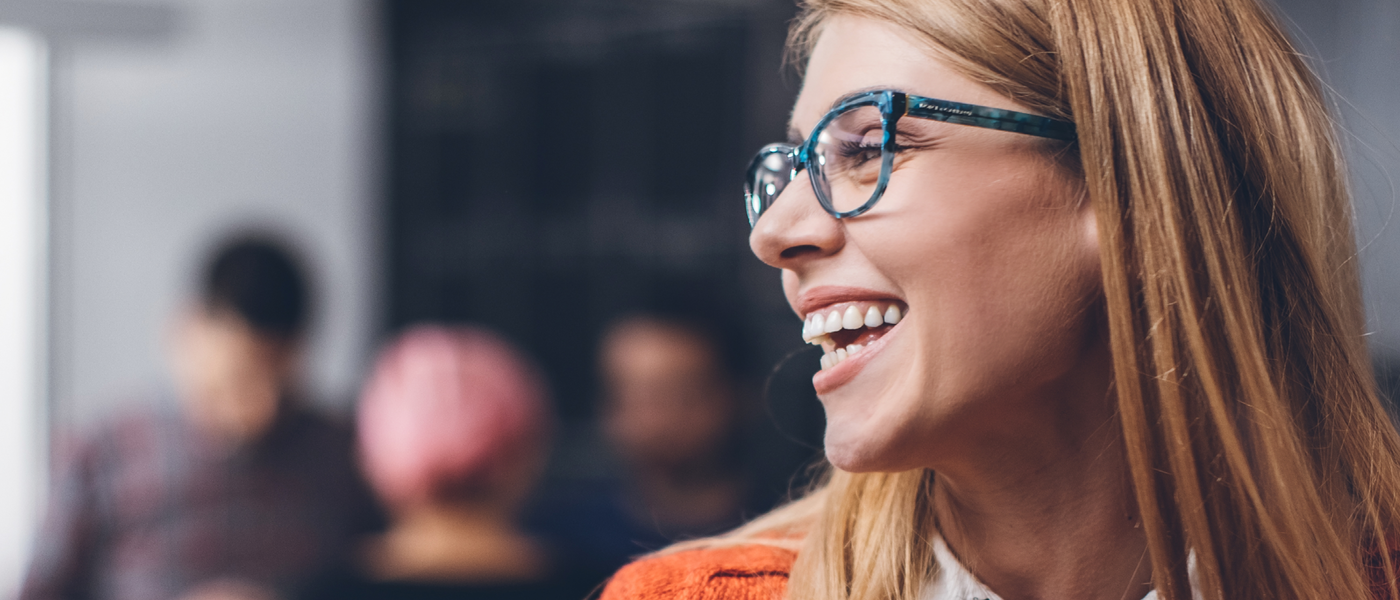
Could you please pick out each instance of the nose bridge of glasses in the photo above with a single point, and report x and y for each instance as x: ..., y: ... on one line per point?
x: 778, y: 199
x: 794, y: 203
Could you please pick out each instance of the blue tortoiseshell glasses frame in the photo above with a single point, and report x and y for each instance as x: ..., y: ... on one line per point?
x: 835, y: 145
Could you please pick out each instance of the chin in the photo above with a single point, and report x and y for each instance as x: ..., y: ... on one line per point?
x: 856, y: 461
x: 873, y: 424
x: 844, y: 459
x: 857, y: 452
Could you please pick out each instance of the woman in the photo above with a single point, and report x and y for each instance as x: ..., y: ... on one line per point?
x: 1084, y: 276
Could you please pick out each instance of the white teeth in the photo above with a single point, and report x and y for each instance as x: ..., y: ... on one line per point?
x: 852, y: 318
x: 831, y: 359
x: 816, y: 327
x: 833, y: 322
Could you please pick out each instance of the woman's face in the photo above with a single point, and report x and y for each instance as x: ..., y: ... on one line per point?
x: 985, y: 244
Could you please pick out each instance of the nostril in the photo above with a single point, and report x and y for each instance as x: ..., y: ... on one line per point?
x: 797, y: 251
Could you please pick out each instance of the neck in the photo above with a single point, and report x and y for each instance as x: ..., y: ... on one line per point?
x: 698, y: 473
x: 1054, y: 517
x: 699, y: 496
x: 456, y: 542
x: 481, y: 517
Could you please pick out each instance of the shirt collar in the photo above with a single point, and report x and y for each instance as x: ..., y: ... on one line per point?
x: 952, y: 581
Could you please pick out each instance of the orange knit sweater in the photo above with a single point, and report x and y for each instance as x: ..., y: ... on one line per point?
x: 758, y: 573
x: 732, y: 573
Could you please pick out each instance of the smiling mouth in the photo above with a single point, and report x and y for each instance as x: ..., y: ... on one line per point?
x: 844, y: 330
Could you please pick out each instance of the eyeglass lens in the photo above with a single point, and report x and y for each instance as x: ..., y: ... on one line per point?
x: 772, y: 170
x: 847, y: 158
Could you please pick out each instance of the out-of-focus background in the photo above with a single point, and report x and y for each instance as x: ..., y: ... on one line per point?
x: 541, y: 167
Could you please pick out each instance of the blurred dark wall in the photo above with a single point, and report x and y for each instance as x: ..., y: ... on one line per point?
x: 554, y: 165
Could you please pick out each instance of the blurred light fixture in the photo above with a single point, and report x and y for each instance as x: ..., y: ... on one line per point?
x: 87, y: 19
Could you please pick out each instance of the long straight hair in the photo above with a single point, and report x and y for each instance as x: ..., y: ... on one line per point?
x: 1255, y: 439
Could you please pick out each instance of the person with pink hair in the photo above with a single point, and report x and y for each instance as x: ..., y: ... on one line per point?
x: 454, y: 427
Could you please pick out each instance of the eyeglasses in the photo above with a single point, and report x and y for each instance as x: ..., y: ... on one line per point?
x: 851, y: 151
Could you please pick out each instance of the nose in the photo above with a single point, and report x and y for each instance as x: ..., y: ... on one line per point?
x: 795, y: 229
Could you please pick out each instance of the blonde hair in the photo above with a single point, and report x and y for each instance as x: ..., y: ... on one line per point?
x: 1253, y: 433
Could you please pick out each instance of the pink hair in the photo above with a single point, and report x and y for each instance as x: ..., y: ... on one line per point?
x: 446, y: 408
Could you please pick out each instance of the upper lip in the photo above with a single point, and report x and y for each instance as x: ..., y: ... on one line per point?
x: 823, y: 296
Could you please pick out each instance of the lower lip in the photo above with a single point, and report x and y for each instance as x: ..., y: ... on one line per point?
x: 828, y: 380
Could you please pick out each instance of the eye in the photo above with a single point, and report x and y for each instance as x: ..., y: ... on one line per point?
x: 858, y: 153
x: 869, y: 149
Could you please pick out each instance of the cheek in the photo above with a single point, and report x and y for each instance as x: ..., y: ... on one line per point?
x: 1000, y: 273
x: 1009, y: 222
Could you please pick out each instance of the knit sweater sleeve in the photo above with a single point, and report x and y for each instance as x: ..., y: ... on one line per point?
x: 753, y: 572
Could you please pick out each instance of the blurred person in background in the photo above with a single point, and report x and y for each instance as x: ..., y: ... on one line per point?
x: 454, y: 430
x: 235, y: 490
x: 671, y: 413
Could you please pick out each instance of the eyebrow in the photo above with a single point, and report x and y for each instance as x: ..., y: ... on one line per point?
x: 795, y: 137
x: 860, y: 92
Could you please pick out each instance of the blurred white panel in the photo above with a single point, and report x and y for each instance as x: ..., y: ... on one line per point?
x: 1355, y: 44
x: 22, y: 239
x: 252, y: 112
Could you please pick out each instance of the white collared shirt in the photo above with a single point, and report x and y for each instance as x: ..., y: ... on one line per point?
x: 953, y: 581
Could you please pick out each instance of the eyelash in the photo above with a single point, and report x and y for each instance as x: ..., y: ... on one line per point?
x: 868, y: 152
